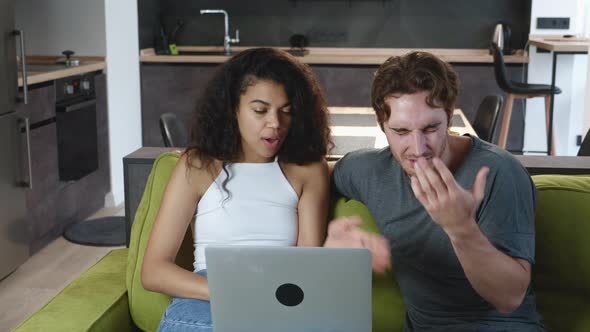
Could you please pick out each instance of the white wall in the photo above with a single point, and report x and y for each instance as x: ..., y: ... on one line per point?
x: 51, y: 27
x: 123, y: 87
x: 586, y: 32
x: 569, y: 106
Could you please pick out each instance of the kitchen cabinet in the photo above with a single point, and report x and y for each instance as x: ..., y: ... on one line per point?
x: 41, y: 198
x: 53, y: 204
x: 175, y: 87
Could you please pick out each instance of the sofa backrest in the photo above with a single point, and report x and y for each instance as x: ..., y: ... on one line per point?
x: 148, y: 307
x: 561, y: 274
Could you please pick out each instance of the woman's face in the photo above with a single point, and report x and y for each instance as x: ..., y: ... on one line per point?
x: 264, y: 118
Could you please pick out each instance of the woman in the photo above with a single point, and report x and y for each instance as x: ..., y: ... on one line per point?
x: 255, y: 171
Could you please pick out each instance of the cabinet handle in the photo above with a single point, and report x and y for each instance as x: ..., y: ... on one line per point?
x: 28, y: 135
x: 79, y: 106
x: 23, y: 62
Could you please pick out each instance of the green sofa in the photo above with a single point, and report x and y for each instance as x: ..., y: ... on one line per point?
x: 109, y: 296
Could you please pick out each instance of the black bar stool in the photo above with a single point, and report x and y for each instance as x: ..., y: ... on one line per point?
x: 486, y: 117
x: 517, y: 90
x: 174, y: 133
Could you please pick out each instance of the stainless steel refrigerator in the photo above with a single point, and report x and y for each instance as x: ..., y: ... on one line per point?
x: 14, y: 158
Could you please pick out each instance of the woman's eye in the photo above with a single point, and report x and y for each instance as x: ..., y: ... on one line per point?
x: 286, y: 110
x: 260, y: 110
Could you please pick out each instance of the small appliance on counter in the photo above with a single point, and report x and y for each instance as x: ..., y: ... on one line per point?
x: 298, y: 44
x: 68, y: 61
x: 501, y: 37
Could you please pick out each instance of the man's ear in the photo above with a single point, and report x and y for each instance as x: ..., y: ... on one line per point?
x: 450, y: 116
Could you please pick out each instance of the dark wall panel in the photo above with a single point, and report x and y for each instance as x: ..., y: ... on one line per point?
x: 386, y: 23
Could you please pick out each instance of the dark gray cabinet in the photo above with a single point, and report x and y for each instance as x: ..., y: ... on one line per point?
x: 176, y: 88
x: 53, y: 204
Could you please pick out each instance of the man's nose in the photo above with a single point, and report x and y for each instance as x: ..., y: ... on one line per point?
x: 418, y: 144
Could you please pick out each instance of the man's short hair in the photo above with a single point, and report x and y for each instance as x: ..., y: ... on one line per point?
x: 411, y: 73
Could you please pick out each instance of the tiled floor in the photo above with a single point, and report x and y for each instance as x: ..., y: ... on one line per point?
x: 45, y: 274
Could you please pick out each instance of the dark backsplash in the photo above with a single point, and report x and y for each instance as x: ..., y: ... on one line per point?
x: 339, y: 23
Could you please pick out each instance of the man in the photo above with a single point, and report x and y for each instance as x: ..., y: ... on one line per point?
x: 458, y: 213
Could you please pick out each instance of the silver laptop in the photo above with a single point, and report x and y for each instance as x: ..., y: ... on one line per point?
x: 266, y: 289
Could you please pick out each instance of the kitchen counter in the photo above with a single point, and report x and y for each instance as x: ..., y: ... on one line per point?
x: 44, y: 68
x: 340, y: 56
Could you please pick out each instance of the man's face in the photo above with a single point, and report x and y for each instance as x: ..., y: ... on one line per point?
x: 415, y: 130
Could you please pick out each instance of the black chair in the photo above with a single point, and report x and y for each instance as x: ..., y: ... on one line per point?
x: 517, y: 90
x: 173, y: 131
x: 487, y: 117
x: 585, y: 147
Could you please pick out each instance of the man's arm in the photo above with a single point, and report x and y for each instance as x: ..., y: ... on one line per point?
x: 498, y: 278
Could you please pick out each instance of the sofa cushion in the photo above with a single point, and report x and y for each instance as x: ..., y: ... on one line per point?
x: 148, y: 307
x: 388, y: 306
x: 96, y: 301
x: 561, y: 274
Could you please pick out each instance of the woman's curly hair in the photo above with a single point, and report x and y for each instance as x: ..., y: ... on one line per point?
x: 214, y: 132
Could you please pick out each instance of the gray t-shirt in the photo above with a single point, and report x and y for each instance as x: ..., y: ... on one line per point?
x: 436, y: 291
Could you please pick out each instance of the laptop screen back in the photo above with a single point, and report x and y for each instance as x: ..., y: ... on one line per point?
x: 289, y: 289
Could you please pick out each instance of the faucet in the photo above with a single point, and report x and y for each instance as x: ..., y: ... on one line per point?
x: 227, y: 40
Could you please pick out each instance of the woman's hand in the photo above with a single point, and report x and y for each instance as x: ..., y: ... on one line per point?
x: 344, y: 232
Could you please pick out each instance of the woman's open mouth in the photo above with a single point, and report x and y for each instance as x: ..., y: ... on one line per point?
x: 272, y: 143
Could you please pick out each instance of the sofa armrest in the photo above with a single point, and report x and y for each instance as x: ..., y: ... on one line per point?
x: 95, y: 301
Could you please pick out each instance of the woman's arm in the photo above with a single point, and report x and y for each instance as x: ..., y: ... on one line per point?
x: 159, y: 272
x: 313, y: 204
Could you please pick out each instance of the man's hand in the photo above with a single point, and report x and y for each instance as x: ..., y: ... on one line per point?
x: 344, y: 232
x: 449, y: 205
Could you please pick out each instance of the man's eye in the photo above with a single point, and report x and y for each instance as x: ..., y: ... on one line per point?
x: 430, y: 130
x: 400, y: 132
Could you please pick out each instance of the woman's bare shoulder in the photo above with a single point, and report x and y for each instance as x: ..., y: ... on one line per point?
x: 309, y: 172
x: 198, y: 172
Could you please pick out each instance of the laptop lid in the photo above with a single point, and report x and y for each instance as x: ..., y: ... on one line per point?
x: 267, y: 289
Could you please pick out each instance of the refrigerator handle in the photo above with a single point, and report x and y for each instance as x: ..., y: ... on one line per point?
x: 21, y: 35
x: 28, y: 184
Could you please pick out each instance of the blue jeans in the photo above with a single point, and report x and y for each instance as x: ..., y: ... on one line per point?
x: 187, y: 315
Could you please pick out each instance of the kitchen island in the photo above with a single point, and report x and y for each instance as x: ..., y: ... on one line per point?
x: 173, y: 83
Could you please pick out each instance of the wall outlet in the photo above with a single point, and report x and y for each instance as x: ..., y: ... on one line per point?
x: 553, y: 23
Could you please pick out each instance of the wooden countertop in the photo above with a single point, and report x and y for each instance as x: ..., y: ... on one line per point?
x: 346, y: 56
x: 560, y: 43
x: 44, y: 68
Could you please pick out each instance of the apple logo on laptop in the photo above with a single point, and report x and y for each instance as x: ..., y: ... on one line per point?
x: 289, y: 295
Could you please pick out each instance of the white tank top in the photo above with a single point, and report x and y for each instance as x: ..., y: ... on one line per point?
x: 261, y: 210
